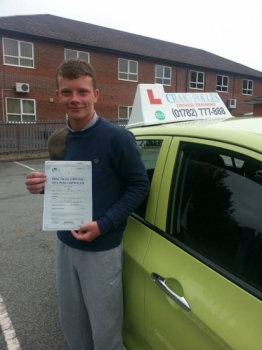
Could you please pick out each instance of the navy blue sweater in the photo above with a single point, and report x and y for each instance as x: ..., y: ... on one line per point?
x: 119, y: 180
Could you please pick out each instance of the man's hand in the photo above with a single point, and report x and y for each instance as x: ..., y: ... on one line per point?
x: 35, y: 182
x: 87, y: 232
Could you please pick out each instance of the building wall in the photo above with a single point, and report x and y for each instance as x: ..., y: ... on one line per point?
x: 113, y: 92
x: 257, y: 112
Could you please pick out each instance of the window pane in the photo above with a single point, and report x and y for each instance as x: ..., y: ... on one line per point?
x: 123, y: 76
x: 219, y: 80
x: 25, y: 62
x: 13, y: 105
x: 200, y: 77
x: 10, y: 47
x: 11, y: 60
x: 149, y: 150
x: 132, y: 67
x: 159, y: 81
x: 14, y: 118
x: 166, y: 82
x: 26, y: 50
x: 83, y: 56
x: 159, y: 71
x: 123, y: 65
x: 122, y: 112
x: 132, y: 77
x: 167, y: 72
x: 218, y: 211
x: 28, y: 106
x: 70, y: 53
x: 193, y: 76
x: 28, y: 118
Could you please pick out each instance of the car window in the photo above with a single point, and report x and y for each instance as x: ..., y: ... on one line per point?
x: 149, y: 150
x: 217, y: 210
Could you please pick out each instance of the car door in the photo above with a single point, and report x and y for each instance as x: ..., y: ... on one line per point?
x: 203, y: 265
x: 136, y: 240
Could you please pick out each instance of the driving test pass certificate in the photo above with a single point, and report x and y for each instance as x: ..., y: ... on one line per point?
x: 68, y: 195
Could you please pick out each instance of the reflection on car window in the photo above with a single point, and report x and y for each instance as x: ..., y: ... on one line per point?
x: 217, y: 212
x: 149, y: 150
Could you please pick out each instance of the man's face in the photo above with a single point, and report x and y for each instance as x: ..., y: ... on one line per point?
x: 77, y: 97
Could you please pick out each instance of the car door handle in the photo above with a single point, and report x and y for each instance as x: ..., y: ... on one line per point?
x: 161, y: 282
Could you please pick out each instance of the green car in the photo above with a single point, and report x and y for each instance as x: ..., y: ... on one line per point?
x: 193, y: 249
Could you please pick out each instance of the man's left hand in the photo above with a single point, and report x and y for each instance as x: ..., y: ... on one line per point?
x: 87, y: 232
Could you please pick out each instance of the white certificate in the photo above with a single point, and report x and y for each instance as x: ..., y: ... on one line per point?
x: 68, y: 195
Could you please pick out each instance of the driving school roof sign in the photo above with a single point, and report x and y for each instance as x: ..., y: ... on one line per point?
x: 152, y: 105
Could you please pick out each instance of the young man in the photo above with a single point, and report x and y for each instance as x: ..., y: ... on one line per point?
x: 89, y: 261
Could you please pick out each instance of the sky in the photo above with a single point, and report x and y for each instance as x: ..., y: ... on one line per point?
x: 228, y: 28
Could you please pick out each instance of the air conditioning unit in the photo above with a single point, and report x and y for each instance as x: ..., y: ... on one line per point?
x: 232, y: 103
x: 21, y: 87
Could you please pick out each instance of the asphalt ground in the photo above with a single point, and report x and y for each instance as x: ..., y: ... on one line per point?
x: 27, y: 270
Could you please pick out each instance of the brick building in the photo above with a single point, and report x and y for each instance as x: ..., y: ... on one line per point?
x: 257, y: 105
x: 33, y: 47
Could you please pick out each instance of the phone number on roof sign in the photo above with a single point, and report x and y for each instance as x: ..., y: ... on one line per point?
x: 198, y: 112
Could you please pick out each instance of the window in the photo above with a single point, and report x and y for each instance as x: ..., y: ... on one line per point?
x: 247, y: 87
x: 127, y: 70
x: 217, y: 211
x: 18, y: 53
x: 76, y: 54
x: 20, y: 110
x: 196, y: 80
x: 162, y: 75
x: 222, y: 83
x: 149, y: 150
x: 124, y: 113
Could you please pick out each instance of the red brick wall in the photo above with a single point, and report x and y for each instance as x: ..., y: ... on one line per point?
x: 113, y: 92
x: 41, y: 78
x: 257, y: 110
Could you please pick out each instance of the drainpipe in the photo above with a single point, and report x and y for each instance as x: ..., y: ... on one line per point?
x: 186, y: 80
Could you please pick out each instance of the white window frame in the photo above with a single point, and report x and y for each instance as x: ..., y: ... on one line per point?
x: 19, y: 57
x: 197, y: 80
x: 223, y: 84
x: 124, y: 120
x: 128, y: 72
x: 162, y: 78
x: 77, y: 54
x: 249, y: 91
x: 21, y: 109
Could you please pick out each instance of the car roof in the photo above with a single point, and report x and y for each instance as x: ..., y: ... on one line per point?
x: 241, y: 131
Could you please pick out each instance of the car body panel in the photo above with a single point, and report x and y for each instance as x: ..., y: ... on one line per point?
x: 136, y: 242
x: 217, y: 312
x: 223, y: 314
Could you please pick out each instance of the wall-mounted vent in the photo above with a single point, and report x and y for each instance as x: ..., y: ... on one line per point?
x: 232, y: 103
x: 22, y: 87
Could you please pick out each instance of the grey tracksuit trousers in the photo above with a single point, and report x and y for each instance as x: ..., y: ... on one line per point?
x: 90, y: 297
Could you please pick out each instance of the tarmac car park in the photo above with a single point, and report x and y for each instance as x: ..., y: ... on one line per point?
x: 193, y: 249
